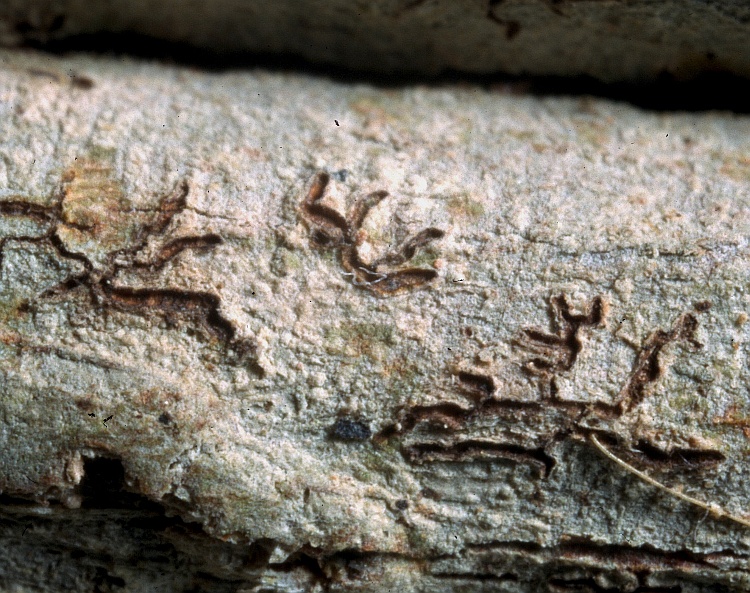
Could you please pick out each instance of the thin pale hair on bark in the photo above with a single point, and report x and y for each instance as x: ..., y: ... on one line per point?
x: 713, y: 509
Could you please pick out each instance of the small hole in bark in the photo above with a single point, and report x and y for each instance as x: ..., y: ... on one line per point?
x: 103, y: 487
x: 103, y: 482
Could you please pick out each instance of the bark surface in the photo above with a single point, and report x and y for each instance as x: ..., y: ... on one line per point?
x: 267, y: 332
x: 611, y: 40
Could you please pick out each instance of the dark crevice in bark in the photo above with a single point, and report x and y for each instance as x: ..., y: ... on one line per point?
x: 710, y: 89
x: 589, y: 585
x: 476, y: 576
x: 118, y: 533
x: 103, y: 487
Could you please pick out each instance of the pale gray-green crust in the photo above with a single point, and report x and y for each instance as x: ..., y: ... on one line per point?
x: 266, y: 332
x: 611, y: 40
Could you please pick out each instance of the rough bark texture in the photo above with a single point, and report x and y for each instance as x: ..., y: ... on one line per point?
x: 612, y: 40
x: 265, y: 332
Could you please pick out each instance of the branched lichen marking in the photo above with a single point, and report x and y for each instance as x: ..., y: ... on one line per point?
x: 556, y: 352
x: 647, y: 368
x: 91, y: 211
x: 383, y: 276
x: 457, y: 431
